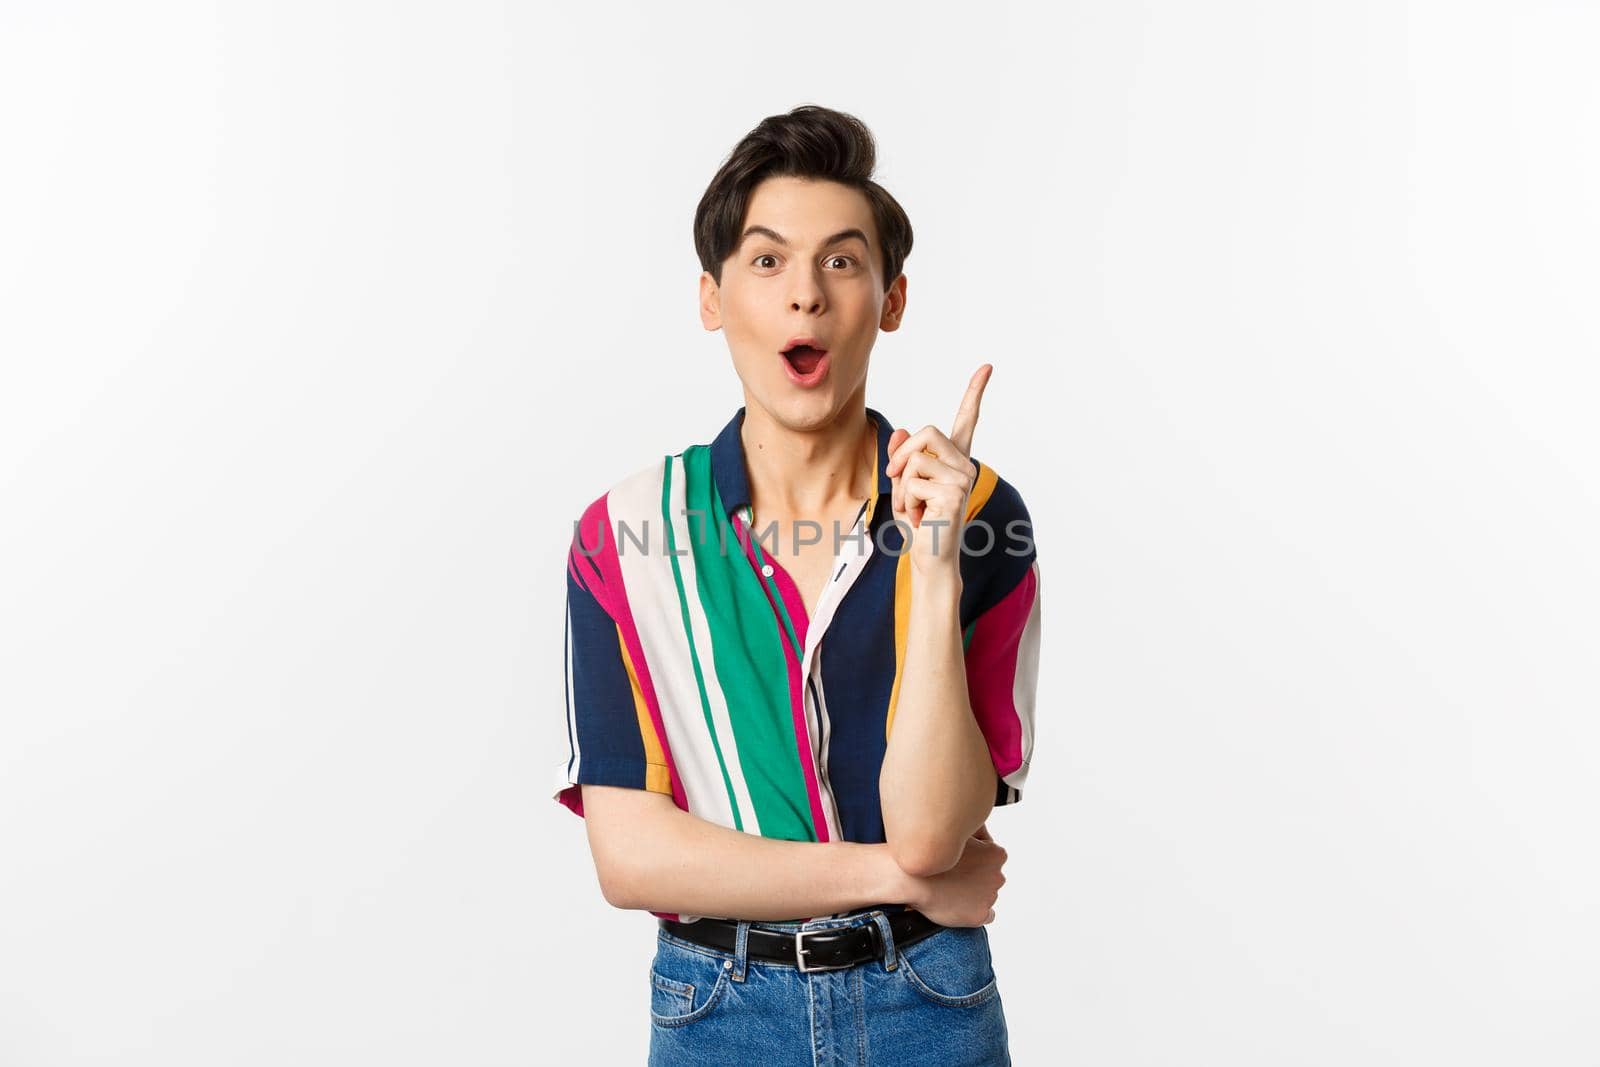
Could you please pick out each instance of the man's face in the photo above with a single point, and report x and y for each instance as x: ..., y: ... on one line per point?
x: 809, y: 265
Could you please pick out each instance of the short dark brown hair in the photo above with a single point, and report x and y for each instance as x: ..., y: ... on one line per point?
x: 809, y: 142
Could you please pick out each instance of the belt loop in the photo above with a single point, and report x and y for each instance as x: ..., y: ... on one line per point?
x: 889, y: 959
x: 741, y: 941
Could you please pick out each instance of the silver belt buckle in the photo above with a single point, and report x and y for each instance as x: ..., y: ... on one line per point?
x: 800, y: 953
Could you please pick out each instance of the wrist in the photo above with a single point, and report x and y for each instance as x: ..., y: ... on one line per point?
x: 939, y: 588
x: 891, y: 884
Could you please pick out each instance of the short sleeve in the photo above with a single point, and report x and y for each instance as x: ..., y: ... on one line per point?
x: 1001, y: 640
x: 610, y: 738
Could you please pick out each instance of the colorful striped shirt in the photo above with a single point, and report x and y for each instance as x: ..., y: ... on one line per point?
x: 693, y: 670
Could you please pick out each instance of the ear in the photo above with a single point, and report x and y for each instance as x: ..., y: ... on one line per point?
x: 710, y: 302
x: 894, y: 306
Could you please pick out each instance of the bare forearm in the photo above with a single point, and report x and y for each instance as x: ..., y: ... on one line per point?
x: 937, y: 782
x: 684, y: 864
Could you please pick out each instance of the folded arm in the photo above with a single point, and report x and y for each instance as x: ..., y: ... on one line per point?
x: 651, y: 855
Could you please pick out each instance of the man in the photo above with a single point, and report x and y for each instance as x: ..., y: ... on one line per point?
x: 801, y: 659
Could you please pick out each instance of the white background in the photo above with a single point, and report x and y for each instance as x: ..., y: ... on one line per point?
x: 320, y: 322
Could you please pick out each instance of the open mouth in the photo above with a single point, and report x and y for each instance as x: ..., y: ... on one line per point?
x: 804, y: 358
x: 804, y: 355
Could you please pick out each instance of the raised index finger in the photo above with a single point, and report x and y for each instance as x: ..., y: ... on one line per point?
x: 967, y: 414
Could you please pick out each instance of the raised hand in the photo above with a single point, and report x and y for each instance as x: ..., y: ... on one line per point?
x: 932, y: 477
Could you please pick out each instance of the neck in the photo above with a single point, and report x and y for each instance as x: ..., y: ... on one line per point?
x: 812, y: 472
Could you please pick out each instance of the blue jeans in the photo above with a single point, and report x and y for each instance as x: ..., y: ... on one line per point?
x: 936, y: 1002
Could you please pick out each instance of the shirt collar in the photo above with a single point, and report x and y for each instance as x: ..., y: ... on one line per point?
x: 733, y: 480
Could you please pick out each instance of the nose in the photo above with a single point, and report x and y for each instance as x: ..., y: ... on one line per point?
x: 807, y: 294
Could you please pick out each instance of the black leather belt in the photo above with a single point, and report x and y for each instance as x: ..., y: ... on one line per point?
x: 809, y: 950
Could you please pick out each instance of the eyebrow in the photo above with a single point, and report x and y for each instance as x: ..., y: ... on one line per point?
x: 774, y: 235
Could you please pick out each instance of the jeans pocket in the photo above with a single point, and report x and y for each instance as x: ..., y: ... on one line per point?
x: 952, y: 967
x: 685, y: 985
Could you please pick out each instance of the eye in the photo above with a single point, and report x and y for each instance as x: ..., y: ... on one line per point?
x: 847, y: 259
x: 765, y: 255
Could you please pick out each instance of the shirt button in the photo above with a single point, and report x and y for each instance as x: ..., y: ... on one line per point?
x: 766, y: 569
